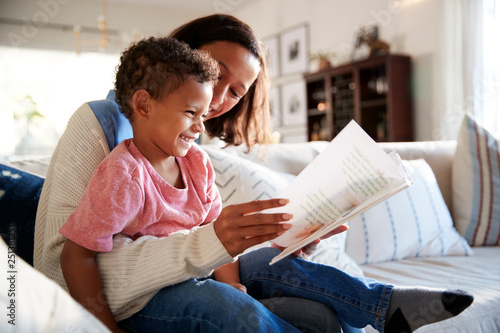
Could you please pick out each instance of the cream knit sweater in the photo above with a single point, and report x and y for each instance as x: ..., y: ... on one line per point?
x: 134, y: 271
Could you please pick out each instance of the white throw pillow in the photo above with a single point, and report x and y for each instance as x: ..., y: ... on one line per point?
x: 413, y: 223
x: 38, y: 304
x: 476, y: 184
x: 240, y: 180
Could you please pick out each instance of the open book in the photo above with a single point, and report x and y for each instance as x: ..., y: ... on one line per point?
x: 351, y: 175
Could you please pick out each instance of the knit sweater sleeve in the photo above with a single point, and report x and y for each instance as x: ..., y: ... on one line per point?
x: 135, y: 270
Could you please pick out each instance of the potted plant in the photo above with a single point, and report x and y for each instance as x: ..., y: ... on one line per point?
x: 323, y: 58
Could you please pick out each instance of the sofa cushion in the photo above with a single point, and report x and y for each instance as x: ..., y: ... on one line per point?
x: 476, y: 184
x: 19, y: 195
x: 478, y: 275
x: 413, y: 223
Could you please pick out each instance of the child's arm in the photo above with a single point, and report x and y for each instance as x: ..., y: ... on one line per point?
x: 84, y: 282
x: 230, y: 274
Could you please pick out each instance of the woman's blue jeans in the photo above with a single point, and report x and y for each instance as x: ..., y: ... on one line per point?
x: 210, y: 306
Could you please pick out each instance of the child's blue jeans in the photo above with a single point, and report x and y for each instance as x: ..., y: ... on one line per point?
x: 210, y: 306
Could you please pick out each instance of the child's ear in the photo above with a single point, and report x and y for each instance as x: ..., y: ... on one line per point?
x: 141, y: 102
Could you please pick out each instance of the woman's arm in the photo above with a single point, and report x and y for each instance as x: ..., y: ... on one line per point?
x: 84, y: 283
x: 143, y: 266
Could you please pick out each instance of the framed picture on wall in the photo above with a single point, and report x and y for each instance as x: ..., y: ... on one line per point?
x: 294, y: 49
x: 273, y: 51
x: 293, y: 103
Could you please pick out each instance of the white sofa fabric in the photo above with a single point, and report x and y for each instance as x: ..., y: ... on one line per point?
x: 479, y: 273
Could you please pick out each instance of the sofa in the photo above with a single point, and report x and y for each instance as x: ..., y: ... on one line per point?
x: 421, y: 236
x: 416, y: 242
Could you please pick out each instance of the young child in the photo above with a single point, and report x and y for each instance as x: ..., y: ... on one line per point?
x: 156, y: 183
x: 160, y: 182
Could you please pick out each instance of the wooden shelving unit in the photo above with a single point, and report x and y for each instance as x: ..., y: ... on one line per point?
x: 375, y: 92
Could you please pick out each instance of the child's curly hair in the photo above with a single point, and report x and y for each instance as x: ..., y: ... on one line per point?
x: 160, y: 66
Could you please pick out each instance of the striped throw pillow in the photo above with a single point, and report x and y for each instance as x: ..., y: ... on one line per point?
x: 476, y: 184
x: 413, y: 223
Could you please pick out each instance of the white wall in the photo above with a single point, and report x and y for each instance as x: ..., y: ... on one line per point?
x: 413, y: 27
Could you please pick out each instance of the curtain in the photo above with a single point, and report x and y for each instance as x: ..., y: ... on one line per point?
x: 489, y: 109
x: 472, y: 63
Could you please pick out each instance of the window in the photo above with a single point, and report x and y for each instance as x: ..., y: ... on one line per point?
x: 489, y: 90
x: 40, y: 90
x: 472, y: 66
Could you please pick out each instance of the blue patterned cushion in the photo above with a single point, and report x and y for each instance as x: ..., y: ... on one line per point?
x: 413, y: 223
x: 19, y: 195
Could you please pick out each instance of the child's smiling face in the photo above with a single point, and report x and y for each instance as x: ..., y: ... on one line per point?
x: 176, y: 120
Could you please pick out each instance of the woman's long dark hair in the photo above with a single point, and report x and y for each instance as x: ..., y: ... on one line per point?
x: 248, y: 121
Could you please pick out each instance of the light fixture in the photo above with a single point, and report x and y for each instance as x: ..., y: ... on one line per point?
x: 102, y: 26
x: 102, y: 22
x: 103, y: 31
x: 77, y: 32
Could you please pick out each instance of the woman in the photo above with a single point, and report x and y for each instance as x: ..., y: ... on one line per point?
x: 239, y: 114
x: 145, y: 296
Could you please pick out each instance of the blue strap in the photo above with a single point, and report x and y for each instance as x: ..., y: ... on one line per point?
x: 114, y: 124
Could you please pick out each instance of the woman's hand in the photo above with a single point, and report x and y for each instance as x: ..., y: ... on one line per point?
x: 309, y: 249
x: 242, y: 226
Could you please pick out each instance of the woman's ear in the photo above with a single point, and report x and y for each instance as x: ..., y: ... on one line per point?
x: 141, y: 102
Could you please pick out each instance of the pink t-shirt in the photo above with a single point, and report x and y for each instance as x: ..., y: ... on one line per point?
x: 126, y: 195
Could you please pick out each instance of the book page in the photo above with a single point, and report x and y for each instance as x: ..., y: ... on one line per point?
x: 353, y: 171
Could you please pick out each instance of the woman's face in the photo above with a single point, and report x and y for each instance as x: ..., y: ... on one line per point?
x: 238, y: 70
